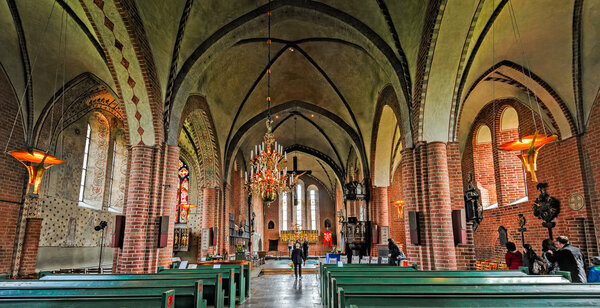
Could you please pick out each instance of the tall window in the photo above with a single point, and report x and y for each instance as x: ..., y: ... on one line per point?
x: 112, y: 173
x: 299, y: 205
x: 284, y: 212
x: 86, y: 155
x: 313, y: 209
x: 183, y: 187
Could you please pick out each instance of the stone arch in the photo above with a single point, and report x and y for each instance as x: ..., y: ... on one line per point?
x: 509, y: 80
x: 198, y: 128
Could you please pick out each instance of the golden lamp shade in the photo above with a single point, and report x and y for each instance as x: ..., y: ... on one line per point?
x: 268, y: 195
x: 530, y: 146
x: 36, y: 163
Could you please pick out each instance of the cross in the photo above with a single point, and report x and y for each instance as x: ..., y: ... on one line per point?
x: 295, y: 170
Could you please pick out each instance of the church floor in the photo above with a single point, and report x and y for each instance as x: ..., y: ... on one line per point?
x: 284, y: 291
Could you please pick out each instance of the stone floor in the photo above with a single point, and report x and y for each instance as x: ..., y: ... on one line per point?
x: 284, y: 291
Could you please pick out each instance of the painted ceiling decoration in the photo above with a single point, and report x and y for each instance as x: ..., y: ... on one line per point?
x: 335, y: 63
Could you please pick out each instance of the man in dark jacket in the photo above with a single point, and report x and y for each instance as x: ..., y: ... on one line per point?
x: 569, y: 258
x: 394, y: 252
x: 305, y: 250
x: 297, y: 259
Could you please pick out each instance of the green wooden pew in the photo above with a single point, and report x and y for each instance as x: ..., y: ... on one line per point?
x: 327, y: 282
x: 241, y: 275
x: 247, y: 268
x: 76, y: 297
x: 326, y: 268
x: 323, y: 276
x: 211, y: 291
x: 339, y: 282
x: 229, y: 279
x: 473, y: 295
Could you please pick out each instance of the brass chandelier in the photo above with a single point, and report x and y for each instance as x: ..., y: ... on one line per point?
x: 268, y: 176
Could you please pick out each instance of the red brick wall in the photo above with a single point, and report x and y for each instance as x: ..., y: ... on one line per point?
x: 170, y: 201
x: 30, y: 246
x: 559, y: 165
x: 13, y: 175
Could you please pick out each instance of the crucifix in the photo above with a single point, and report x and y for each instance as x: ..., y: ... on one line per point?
x: 295, y: 173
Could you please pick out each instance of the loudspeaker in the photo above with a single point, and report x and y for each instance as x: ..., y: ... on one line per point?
x: 415, y: 230
x: 119, y: 234
x: 459, y: 227
x: 352, y: 220
x: 163, y: 231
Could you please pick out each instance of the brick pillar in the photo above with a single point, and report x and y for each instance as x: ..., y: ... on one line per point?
x: 408, y: 191
x: 382, y: 205
x: 440, y: 208
x: 208, y: 216
x: 30, y: 246
x: 132, y: 258
x: 170, y: 201
x: 465, y: 253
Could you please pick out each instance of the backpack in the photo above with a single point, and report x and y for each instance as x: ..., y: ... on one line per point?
x: 538, y: 267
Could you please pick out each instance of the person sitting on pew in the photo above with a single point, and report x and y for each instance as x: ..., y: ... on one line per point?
x: 569, y: 258
x: 395, y: 254
x: 513, y: 257
x: 594, y: 273
x: 551, y: 267
x: 532, y: 261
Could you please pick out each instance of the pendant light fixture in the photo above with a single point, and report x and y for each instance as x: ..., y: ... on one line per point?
x: 268, y: 176
x: 528, y: 145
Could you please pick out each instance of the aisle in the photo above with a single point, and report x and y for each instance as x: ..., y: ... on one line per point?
x: 285, y: 291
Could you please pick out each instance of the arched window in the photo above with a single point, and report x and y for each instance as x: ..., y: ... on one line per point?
x: 299, y: 198
x: 284, y: 210
x: 512, y: 175
x: 313, y: 201
x: 271, y: 225
x: 483, y: 162
x: 95, y: 162
x: 86, y: 156
x: 183, y: 187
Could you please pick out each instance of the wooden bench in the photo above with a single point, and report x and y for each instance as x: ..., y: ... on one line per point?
x: 229, y: 279
x: 327, y: 284
x: 191, y: 290
x: 339, y: 282
x: 247, y: 269
x: 328, y: 268
x: 471, y: 295
x: 109, y: 297
x: 241, y: 276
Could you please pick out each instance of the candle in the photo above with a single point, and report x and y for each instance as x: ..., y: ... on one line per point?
x: 246, y: 176
x: 251, y: 154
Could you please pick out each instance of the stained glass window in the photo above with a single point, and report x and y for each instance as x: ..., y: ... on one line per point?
x: 183, y: 187
x: 313, y: 209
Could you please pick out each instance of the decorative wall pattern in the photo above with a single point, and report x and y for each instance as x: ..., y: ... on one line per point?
x: 201, y: 130
x: 66, y: 224
x: 97, y: 161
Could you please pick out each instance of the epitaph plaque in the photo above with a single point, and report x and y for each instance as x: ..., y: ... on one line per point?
x: 384, y: 234
x: 205, y: 238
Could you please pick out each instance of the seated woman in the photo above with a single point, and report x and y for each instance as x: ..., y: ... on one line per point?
x: 513, y: 257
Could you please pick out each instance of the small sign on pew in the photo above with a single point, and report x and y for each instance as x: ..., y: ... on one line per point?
x: 192, y: 266
x: 344, y: 259
x: 183, y: 265
x: 340, y: 264
x: 355, y: 260
x: 384, y: 260
x: 364, y: 260
x: 217, y: 266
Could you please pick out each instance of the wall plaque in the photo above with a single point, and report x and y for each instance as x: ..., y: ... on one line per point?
x: 576, y: 202
x: 384, y: 234
x: 205, y: 239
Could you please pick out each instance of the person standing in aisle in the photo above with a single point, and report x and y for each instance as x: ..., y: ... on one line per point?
x: 298, y: 259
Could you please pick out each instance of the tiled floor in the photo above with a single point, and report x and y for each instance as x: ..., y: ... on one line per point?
x: 284, y: 291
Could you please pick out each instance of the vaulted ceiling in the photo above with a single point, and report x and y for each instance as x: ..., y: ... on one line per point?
x: 331, y: 61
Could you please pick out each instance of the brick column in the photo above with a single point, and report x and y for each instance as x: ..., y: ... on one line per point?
x: 408, y: 191
x: 381, y: 204
x: 170, y: 200
x: 440, y: 208
x: 208, y: 216
x: 30, y: 246
x: 132, y: 258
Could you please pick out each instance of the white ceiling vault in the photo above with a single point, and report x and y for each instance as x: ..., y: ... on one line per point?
x: 332, y: 59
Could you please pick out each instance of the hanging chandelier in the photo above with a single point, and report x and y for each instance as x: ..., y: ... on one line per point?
x: 268, y: 176
x: 37, y: 163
